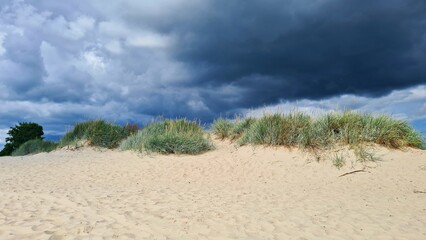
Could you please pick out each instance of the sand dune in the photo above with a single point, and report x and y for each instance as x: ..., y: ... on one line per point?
x: 229, y: 193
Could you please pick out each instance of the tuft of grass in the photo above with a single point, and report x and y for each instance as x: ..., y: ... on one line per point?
x: 240, y: 126
x: 268, y: 130
x: 169, y: 136
x: 363, y: 155
x: 98, y: 132
x: 338, y: 161
x: 298, y: 129
x: 222, y: 128
x: 131, y: 128
x: 285, y: 130
x: 232, y: 129
x: 35, y: 146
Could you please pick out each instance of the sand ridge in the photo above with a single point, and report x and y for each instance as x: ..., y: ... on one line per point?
x: 229, y: 193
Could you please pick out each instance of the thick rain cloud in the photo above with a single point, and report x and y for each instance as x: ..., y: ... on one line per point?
x: 308, y: 49
x: 131, y: 61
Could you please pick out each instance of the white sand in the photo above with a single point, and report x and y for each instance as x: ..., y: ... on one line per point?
x: 228, y: 193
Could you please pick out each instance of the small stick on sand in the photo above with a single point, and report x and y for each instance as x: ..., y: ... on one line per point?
x: 417, y: 191
x: 356, y: 171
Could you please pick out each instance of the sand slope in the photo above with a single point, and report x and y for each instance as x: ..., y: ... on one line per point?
x: 245, y: 193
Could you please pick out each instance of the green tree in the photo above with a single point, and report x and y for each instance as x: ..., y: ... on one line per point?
x: 7, y: 150
x: 19, y: 135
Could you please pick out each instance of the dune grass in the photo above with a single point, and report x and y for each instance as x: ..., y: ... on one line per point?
x: 293, y: 130
x: 288, y: 130
x: 353, y: 128
x: 222, y: 127
x: 35, y: 146
x: 232, y: 129
x: 169, y: 136
x: 338, y: 161
x: 98, y: 133
x: 301, y: 130
x: 320, y: 135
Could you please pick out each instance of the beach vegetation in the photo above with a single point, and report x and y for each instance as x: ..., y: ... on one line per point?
x: 20, y: 134
x: 98, y: 133
x: 285, y: 130
x: 35, y: 146
x: 222, y: 128
x: 232, y: 129
x: 178, y: 136
x: 338, y: 161
x: 321, y: 134
x: 301, y: 130
x: 363, y: 155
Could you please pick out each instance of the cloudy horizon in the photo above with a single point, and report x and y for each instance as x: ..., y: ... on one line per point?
x: 131, y: 61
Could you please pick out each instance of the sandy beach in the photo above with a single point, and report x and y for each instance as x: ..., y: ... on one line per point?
x: 228, y: 193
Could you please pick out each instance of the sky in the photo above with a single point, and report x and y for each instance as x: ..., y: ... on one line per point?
x: 130, y: 61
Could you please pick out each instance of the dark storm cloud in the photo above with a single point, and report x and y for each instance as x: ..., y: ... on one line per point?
x: 306, y: 49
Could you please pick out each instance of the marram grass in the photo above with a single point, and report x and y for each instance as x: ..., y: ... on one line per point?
x: 188, y: 137
x: 169, y: 136
x: 301, y: 130
x: 35, y: 146
x: 98, y: 133
x: 222, y: 127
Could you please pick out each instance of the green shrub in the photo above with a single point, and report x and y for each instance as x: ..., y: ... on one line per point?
x: 20, y: 134
x: 35, y: 146
x: 99, y: 133
x: 169, y: 136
